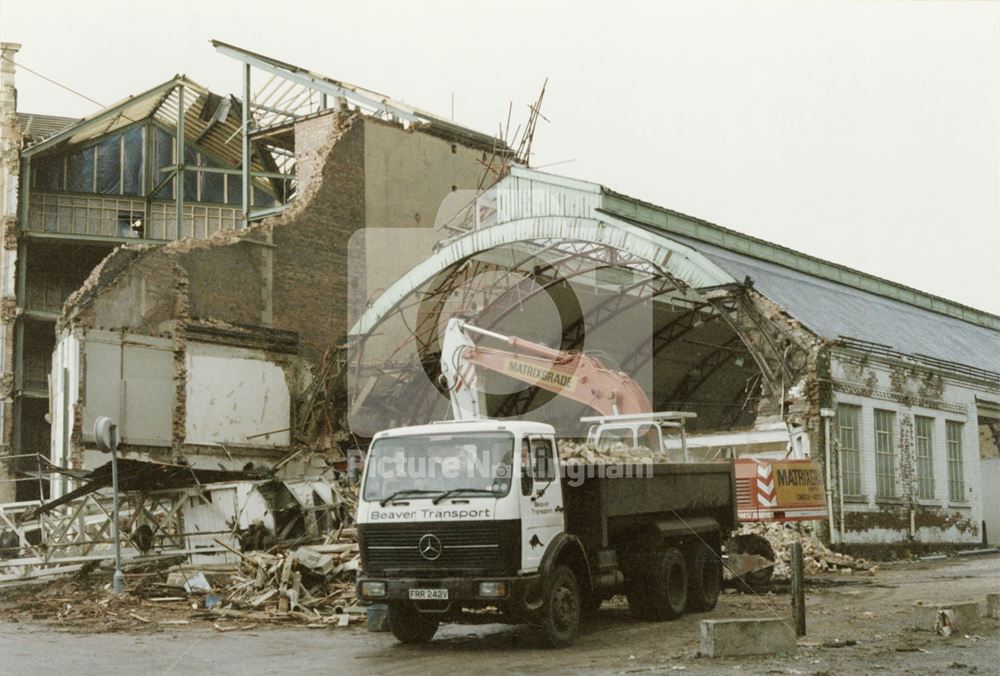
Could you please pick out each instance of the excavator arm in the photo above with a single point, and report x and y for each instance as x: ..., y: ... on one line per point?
x: 576, y: 376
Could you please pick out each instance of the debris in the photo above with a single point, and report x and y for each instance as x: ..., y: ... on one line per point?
x: 945, y: 622
x: 816, y: 557
x: 574, y: 453
x: 139, y: 617
x: 197, y: 582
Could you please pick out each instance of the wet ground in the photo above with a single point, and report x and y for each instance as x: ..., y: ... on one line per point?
x: 856, y: 625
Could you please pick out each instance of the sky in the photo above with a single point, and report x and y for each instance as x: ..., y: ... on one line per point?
x: 862, y: 132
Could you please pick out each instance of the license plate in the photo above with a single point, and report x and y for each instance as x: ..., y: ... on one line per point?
x: 429, y: 594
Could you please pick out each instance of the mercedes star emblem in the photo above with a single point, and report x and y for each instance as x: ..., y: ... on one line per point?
x: 430, y: 547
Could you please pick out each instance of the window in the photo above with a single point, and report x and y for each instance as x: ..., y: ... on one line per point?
x: 543, y: 466
x: 163, y: 157
x: 924, y: 432
x: 48, y: 173
x: 885, y: 454
x: 109, y: 165
x: 130, y: 224
x: 133, y: 166
x: 956, y: 472
x: 80, y: 172
x: 848, y: 425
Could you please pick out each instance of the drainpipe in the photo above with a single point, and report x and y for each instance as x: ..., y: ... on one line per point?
x: 827, y: 415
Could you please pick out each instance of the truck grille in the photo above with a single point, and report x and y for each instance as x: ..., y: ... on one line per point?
x: 466, y: 548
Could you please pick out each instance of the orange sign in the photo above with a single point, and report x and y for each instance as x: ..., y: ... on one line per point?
x: 797, y: 482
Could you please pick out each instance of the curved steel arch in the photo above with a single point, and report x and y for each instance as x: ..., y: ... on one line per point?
x: 664, y: 254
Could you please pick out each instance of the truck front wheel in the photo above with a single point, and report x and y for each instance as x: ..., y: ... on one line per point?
x: 561, y: 610
x: 409, y: 625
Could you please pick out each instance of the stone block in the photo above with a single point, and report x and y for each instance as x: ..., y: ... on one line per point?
x: 738, y: 638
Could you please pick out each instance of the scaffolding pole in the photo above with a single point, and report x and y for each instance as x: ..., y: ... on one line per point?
x: 246, y: 144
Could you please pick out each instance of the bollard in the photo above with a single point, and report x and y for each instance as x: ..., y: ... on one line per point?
x: 798, y: 590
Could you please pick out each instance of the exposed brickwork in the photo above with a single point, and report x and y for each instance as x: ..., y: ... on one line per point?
x: 289, y: 272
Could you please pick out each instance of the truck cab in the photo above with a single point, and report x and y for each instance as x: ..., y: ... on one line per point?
x: 457, y: 515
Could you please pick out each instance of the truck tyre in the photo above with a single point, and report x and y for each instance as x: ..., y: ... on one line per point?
x: 759, y: 580
x: 561, y: 609
x: 704, y: 570
x: 409, y: 625
x: 668, y: 591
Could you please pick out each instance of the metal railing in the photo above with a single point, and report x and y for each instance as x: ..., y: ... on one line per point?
x: 114, y: 216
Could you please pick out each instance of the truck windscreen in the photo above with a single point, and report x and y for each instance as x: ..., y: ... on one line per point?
x: 467, y: 464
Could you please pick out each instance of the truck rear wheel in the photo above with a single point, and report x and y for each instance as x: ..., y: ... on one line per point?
x: 704, y: 570
x: 668, y: 591
x: 561, y: 609
x: 409, y: 625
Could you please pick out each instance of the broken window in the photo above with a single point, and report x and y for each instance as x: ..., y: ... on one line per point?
x: 924, y: 429
x: 848, y: 425
x: 956, y: 471
x: 885, y: 454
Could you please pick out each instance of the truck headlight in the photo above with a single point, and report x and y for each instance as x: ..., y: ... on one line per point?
x: 493, y: 590
x: 369, y: 588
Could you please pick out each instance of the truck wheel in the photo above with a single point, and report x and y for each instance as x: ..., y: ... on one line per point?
x: 561, y: 609
x: 759, y: 580
x: 704, y: 570
x: 668, y: 591
x: 409, y: 625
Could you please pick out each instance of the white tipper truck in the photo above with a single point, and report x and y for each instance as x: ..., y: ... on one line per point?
x: 476, y: 513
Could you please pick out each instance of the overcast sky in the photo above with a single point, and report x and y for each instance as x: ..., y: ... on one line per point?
x: 865, y: 133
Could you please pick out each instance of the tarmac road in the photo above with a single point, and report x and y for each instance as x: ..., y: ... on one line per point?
x: 873, y: 611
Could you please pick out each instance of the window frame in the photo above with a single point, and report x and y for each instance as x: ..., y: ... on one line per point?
x: 885, y: 454
x: 956, y: 461
x: 923, y: 454
x: 850, y: 477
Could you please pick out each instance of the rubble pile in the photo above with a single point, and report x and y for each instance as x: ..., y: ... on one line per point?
x: 572, y: 452
x: 308, y: 580
x: 816, y: 557
x: 313, y: 583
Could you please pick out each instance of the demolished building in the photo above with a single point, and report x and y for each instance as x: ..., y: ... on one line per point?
x: 218, y: 232
x: 220, y: 349
x: 898, y: 390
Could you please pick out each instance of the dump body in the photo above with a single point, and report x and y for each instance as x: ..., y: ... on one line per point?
x: 600, y: 509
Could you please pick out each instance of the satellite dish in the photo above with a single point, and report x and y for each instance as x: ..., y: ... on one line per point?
x: 106, y: 434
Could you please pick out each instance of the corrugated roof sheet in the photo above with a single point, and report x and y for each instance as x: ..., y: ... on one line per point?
x: 833, y: 310
x: 219, y: 136
x: 37, y: 127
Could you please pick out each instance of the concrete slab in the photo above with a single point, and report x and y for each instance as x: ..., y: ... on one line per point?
x: 945, y: 618
x: 736, y: 638
x: 993, y: 605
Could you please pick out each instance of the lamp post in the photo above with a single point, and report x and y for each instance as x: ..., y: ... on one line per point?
x: 106, y: 435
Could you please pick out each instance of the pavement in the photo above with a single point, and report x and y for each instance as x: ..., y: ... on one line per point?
x: 856, y: 625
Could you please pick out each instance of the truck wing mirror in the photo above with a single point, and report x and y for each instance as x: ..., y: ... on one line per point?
x: 526, y: 481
